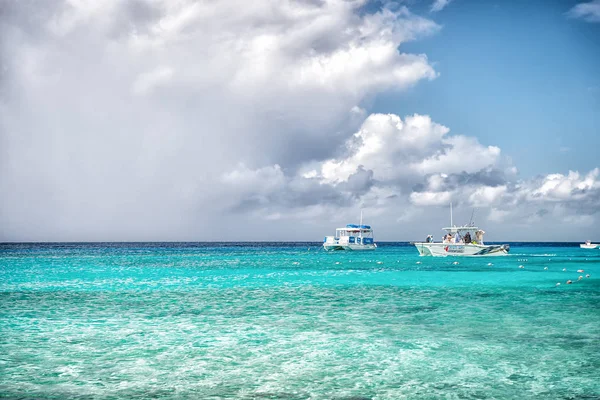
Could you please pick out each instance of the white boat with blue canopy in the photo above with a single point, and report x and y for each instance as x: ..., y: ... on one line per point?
x: 352, y: 237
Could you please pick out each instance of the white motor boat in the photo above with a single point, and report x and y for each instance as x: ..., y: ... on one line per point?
x: 352, y: 237
x: 589, y: 245
x: 466, y: 240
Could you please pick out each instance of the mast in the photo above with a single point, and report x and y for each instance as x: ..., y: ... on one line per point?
x: 451, y: 225
x: 360, y: 225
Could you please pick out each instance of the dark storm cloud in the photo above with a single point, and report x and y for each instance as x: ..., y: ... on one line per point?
x: 359, y: 183
x: 491, y: 177
x: 302, y: 192
x: 134, y: 17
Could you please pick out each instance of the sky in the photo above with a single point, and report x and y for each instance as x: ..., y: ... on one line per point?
x: 181, y: 120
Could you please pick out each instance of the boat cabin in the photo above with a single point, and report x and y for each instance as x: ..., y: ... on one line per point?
x: 466, y: 234
x: 352, y: 233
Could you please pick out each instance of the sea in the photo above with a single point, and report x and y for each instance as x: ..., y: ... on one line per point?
x: 291, y: 321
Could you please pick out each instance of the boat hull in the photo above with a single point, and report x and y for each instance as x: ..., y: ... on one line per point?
x: 590, y: 246
x: 352, y: 247
x: 462, y: 250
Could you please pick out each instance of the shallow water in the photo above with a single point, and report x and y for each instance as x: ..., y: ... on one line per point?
x: 287, y: 321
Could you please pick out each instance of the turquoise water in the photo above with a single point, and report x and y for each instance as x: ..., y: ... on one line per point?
x: 289, y: 321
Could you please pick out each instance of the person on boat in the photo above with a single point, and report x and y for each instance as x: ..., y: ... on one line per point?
x: 457, y: 238
x: 467, y: 237
x: 479, y: 236
x: 429, y: 239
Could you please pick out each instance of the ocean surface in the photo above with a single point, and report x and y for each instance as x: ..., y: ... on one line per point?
x: 290, y: 321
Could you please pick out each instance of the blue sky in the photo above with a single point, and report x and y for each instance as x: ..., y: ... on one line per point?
x: 518, y: 74
x: 279, y: 120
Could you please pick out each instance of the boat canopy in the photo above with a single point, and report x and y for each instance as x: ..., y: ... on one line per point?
x: 455, y: 229
x: 355, y: 226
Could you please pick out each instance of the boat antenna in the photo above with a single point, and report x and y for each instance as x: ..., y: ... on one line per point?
x: 451, y: 225
x: 472, y: 215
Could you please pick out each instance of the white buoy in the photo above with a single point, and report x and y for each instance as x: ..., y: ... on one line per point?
x: 520, y: 266
x: 580, y: 270
x: 587, y: 276
x: 418, y: 262
x: 557, y: 283
x: 564, y: 269
x: 455, y: 263
x: 490, y: 264
x: 569, y: 282
x: 580, y: 278
x: 545, y: 268
x: 379, y: 262
x: 337, y: 262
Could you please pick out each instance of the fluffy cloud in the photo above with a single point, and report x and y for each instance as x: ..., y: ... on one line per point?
x: 559, y: 187
x: 402, y: 166
x: 589, y: 11
x: 139, y: 111
x: 398, y: 150
x: 153, y: 119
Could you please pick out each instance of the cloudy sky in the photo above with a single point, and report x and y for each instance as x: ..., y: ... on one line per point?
x: 280, y: 119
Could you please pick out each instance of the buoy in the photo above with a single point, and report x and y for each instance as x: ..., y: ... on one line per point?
x: 557, y: 283
x: 490, y: 264
x: 379, y: 262
x: 418, y: 262
x: 587, y: 276
x: 545, y: 268
x: 569, y: 282
x: 455, y: 263
x: 564, y: 269
x: 580, y: 278
x: 337, y: 262
x: 579, y: 270
x: 520, y: 266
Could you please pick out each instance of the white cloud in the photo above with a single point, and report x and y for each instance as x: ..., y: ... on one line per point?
x: 147, y: 81
x: 487, y: 195
x: 439, y: 5
x: 415, y: 147
x: 462, y: 154
x: 589, y: 11
x: 152, y: 119
x: 559, y: 187
x: 142, y: 109
x: 417, y: 165
x: 431, y: 198
x: 497, y: 215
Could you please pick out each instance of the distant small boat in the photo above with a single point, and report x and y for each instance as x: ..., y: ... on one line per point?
x: 352, y: 237
x: 589, y: 245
